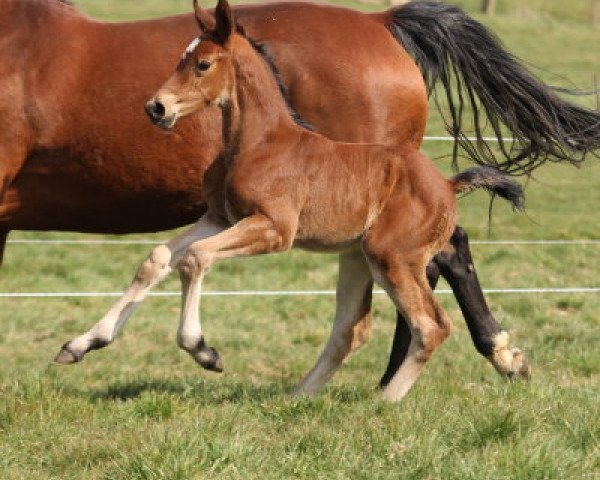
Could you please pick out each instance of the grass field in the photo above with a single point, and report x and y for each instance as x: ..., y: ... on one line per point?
x: 141, y: 409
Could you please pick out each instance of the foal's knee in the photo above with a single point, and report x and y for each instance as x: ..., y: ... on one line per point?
x: 155, y: 266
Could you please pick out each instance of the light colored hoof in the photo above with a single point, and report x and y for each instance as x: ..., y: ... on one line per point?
x: 520, y: 365
x: 511, y: 363
x: 307, y: 388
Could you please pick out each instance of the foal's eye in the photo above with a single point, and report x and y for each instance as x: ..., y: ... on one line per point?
x: 203, y: 65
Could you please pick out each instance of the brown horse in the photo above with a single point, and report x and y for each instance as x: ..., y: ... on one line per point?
x: 67, y: 162
x: 276, y: 185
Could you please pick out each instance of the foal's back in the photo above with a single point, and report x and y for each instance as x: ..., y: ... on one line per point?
x: 342, y: 190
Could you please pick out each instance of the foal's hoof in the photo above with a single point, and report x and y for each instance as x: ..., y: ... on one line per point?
x: 208, y: 358
x: 66, y: 356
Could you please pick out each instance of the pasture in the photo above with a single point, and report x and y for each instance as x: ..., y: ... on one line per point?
x: 142, y: 409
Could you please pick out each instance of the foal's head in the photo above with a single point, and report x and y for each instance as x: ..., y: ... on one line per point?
x: 205, y: 75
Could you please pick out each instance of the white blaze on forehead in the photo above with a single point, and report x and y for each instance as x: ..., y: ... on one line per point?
x: 191, y: 47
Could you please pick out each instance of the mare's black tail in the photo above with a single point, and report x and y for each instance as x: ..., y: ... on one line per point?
x: 477, y: 72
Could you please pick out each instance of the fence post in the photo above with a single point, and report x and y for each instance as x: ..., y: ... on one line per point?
x: 489, y: 7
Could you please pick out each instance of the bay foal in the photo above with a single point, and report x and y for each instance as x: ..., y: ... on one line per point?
x: 278, y: 186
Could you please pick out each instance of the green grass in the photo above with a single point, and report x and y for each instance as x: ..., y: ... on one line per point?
x: 141, y: 409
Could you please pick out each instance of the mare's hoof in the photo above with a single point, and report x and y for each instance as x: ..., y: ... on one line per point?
x: 511, y: 364
x: 66, y: 356
x: 520, y: 365
x: 208, y: 358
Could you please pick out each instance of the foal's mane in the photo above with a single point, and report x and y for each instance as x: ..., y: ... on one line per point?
x: 264, y: 52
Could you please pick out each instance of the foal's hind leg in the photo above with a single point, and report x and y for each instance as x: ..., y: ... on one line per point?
x: 353, y: 301
x: 154, y: 269
x: 455, y: 264
x: 402, y: 334
x: 403, y: 278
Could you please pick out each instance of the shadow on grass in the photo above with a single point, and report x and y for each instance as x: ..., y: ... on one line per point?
x: 205, y: 392
x: 133, y: 389
x: 201, y: 391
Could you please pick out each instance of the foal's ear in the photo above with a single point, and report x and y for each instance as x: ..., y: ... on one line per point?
x: 225, y: 23
x: 205, y: 20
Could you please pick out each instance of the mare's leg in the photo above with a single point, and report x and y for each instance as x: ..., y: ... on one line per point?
x: 253, y: 235
x: 155, y: 268
x: 3, y: 239
x: 12, y: 158
x: 404, y: 280
x: 402, y: 335
x: 353, y: 301
x: 491, y: 340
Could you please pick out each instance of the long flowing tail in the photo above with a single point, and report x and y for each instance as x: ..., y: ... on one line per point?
x: 491, y: 180
x: 477, y: 72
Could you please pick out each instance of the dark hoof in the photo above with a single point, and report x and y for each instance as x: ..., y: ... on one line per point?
x: 207, y: 357
x: 66, y: 356
x: 210, y: 359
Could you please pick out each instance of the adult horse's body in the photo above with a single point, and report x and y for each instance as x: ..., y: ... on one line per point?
x: 70, y: 162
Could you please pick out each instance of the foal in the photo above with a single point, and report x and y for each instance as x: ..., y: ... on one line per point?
x: 280, y: 186
x: 276, y: 185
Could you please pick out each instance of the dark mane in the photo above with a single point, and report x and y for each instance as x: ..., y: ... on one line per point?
x: 264, y: 52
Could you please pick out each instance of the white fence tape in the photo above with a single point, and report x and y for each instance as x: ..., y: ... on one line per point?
x: 472, y: 139
x: 159, y: 241
x: 285, y: 293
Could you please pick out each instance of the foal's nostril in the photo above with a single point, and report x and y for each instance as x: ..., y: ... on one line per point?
x: 155, y: 110
x: 159, y: 109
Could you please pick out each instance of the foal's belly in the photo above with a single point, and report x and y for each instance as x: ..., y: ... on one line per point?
x: 316, y: 245
x: 328, y: 231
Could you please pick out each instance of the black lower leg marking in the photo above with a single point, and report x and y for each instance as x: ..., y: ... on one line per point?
x: 400, y: 344
x: 457, y: 268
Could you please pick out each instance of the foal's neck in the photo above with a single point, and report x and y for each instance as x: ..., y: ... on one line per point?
x: 257, y: 111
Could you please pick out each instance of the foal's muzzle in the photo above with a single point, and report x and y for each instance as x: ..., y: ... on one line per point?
x: 156, y: 111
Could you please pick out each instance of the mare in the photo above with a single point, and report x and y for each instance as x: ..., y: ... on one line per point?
x: 275, y: 186
x: 68, y: 162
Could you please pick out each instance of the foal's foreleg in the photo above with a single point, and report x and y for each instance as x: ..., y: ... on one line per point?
x: 353, y: 302
x: 155, y: 268
x: 251, y: 236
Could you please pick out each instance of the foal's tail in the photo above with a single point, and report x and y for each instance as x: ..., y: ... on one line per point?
x: 477, y: 72
x: 491, y: 180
